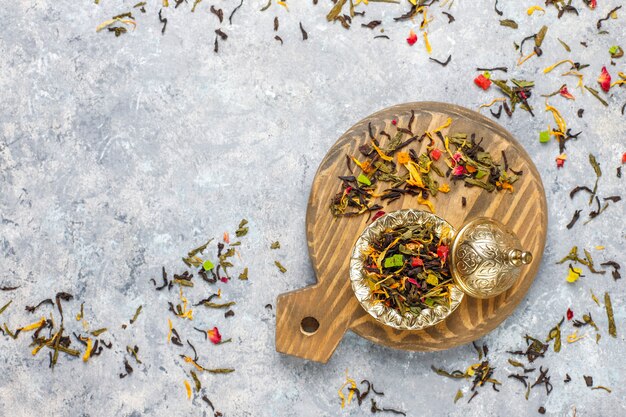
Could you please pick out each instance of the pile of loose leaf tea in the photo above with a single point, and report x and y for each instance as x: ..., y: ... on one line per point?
x: 407, y: 269
x: 450, y: 159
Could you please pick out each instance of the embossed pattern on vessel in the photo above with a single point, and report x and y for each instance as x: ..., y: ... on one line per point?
x: 482, y: 258
x: 386, y: 315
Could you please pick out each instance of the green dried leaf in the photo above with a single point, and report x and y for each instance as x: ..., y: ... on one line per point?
x: 280, y: 267
x: 555, y: 334
x: 208, y: 265
x: 362, y: 178
x: 199, y: 249
x: 335, y: 11
x: 242, y: 230
x: 196, y: 381
x: 509, y: 23
x: 595, y: 165
x: 218, y: 305
x: 458, y: 396
x: 137, y: 312
x: 609, y: 313
x: 541, y: 35
x: 244, y: 275
x: 595, y: 93
x: 523, y: 83
x: 5, y: 306
x: 394, y: 261
x: 98, y: 332
x: 487, y: 186
x: 566, y: 46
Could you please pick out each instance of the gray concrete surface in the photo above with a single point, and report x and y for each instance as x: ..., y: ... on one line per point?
x: 117, y: 155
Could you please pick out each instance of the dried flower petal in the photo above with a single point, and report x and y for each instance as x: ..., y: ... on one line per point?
x: 378, y: 214
x: 605, y: 80
x: 435, y: 154
x: 574, y: 274
x: 458, y: 170
x: 403, y: 157
x: 570, y: 314
x: 214, y: 335
x: 412, y: 38
x: 534, y: 9
x: 442, y: 253
x: 565, y: 93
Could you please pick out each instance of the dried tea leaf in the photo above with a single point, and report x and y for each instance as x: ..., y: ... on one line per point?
x: 566, y: 46
x: 541, y: 35
x: 280, y: 267
x: 242, y: 230
x: 244, y: 275
x: 609, y: 313
x: 372, y: 24
x: 458, y: 396
x: 336, y: 10
x: 509, y: 23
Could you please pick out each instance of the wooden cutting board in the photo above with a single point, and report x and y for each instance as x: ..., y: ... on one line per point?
x: 311, y: 322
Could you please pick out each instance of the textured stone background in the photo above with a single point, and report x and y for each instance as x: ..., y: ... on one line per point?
x: 117, y: 155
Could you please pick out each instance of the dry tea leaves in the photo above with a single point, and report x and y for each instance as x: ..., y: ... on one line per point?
x: 442, y: 63
x: 280, y: 267
x: 242, y: 230
x: 218, y: 12
x: 609, y: 313
x: 305, y: 35
x: 509, y: 23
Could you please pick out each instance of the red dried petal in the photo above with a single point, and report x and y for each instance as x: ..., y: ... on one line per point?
x: 413, y: 281
x: 442, y: 253
x: 415, y: 261
x: 624, y: 158
x: 560, y: 162
x: 605, y: 80
x: 224, y: 279
x: 458, y: 170
x: 435, y: 154
x: 482, y: 81
x: 593, y: 4
x: 214, y: 335
x: 394, y: 122
x: 378, y: 214
x: 570, y: 314
x: 565, y: 93
x: 412, y: 38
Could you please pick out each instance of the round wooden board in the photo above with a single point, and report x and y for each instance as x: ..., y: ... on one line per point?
x: 331, y: 301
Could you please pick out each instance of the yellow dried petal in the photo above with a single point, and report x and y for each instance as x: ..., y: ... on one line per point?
x: 429, y: 49
x: 551, y: 67
x: 573, y: 274
x: 88, y: 350
x: 381, y: 153
x: 444, y: 188
x: 403, y: 157
x: 426, y: 202
x: 443, y: 126
x: 534, y: 9
x: 188, y: 388
x: 34, y: 326
x: 169, y: 333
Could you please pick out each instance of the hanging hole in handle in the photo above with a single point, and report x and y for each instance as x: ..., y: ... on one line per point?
x: 309, y: 326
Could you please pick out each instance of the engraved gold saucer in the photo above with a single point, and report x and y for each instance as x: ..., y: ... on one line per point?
x: 485, y: 261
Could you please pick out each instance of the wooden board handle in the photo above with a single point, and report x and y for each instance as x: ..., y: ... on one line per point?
x: 311, y: 322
